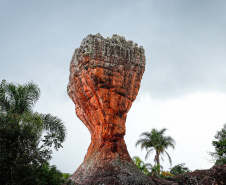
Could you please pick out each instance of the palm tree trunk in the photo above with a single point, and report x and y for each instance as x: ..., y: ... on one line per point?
x: 158, y: 162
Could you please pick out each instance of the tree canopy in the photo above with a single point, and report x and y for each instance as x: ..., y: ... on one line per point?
x: 158, y: 142
x: 23, y: 148
x: 220, y: 146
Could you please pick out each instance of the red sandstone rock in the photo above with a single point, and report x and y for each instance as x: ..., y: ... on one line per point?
x: 104, y: 80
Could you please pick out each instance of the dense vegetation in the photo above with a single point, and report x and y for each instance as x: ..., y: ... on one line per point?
x: 179, y: 169
x: 220, y: 147
x: 26, y: 138
x: 24, y: 152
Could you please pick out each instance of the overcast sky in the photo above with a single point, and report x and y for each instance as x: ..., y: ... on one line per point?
x: 183, y: 87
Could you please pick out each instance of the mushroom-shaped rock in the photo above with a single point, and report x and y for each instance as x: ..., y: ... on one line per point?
x: 105, y: 76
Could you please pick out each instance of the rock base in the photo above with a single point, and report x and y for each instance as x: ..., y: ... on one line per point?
x: 115, y: 172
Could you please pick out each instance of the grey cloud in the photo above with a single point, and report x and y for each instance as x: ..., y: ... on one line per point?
x: 184, y: 43
x: 184, y: 40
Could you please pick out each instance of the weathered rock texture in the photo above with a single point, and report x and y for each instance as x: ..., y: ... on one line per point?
x: 213, y: 176
x: 105, y: 76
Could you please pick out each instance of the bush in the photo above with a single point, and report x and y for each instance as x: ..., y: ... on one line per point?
x: 179, y: 169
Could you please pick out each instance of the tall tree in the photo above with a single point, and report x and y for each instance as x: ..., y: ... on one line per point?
x: 23, y: 148
x: 220, y: 146
x: 156, y: 141
x: 19, y: 100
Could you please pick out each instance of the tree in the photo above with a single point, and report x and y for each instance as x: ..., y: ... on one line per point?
x: 155, y: 170
x: 50, y: 175
x: 220, y: 146
x: 155, y: 140
x: 23, y: 150
x: 144, y: 167
x: 20, y: 154
x: 19, y: 100
x: 179, y: 169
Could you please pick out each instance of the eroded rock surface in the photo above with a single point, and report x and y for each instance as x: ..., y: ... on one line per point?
x: 105, y: 76
x: 213, y: 176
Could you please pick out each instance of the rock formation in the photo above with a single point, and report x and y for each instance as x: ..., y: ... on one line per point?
x: 105, y: 76
x: 213, y: 176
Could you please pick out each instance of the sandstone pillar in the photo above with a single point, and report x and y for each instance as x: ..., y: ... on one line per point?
x: 104, y: 80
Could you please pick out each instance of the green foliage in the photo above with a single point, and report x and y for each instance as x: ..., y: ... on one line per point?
x: 155, y: 170
x: 155, y: 140
x: 147, y: 168
x: 23, y: 151
x: 49, y: 175
x: 66, y: 175
x: 179, y: 169
x: 144, y: 167
x: 20, y: 100
x: 20, y: 154
x: 220, y: 147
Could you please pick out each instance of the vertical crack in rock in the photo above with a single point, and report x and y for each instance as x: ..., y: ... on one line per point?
x: 105, y: 76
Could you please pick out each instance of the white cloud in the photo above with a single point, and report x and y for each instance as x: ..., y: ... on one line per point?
x: 191, y: 120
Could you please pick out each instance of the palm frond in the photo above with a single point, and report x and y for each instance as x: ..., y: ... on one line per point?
x: 145, y: 134
x: 168, y: 141
x: 170, y: 160
x: 162, y: 131
x: 30, y: 94
x: 18, y: 98
x: 148, y: 153
x: 56, y: 128
x: 34, y: 119
x: 145, y: 143
x: 161, y: 158
x: 7, y: 93
x: 4, y: 103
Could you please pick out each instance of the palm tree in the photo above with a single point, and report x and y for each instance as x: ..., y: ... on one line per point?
x: 144, y: 167
x: 18, y: 101
x: 155, y: 140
